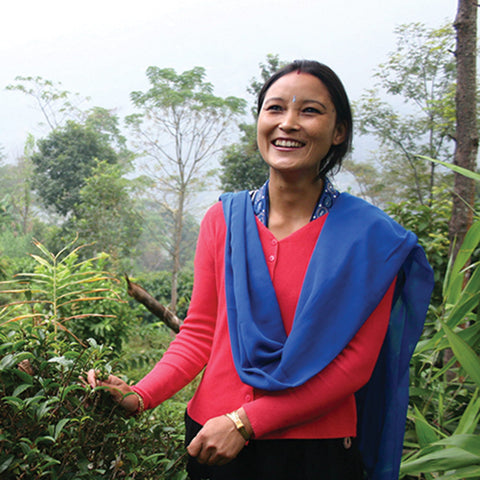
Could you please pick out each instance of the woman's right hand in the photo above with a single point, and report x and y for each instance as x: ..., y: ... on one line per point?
x: 121, y: 392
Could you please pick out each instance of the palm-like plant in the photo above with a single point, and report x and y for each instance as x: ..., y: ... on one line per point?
x: 59, y: 291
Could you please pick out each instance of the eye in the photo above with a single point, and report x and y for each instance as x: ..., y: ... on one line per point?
x: 312, y: 110
x: 274, y: 108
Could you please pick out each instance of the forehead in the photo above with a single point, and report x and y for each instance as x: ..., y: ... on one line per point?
x: 301, y: 85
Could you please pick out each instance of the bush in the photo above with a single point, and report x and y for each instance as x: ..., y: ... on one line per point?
x: 53, y: 426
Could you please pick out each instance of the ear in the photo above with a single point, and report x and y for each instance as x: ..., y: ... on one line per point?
x: 339, y: 134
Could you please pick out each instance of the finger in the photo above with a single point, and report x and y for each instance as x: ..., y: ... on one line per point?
x: 83, y: 381
x: 92, y: 378
x: 213, y: 459
x: 194, y: 447
x: 207, y: 457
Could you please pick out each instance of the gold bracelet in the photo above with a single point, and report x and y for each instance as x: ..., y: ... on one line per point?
x: 234, y: 417
x: 141, y: 406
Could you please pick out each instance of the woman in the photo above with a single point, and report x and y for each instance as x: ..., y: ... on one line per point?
x: 306, y: 308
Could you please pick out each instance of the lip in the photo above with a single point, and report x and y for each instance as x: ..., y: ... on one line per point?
x: 283, y: 143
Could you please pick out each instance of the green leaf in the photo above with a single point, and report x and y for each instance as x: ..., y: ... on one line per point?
x: 462, y: 474
x: 45, y: 407
x: 465, y: 355
x: 45, y: 439
x: 25, y: 377
x: 59, y: 427
x: 465, y: 305
x: 69, y: 389
x: 445, y: 459
x: 65, y: 362
x: 464, y: 171
x: 20, y: 389
x: 471, y: 416
x: 426, y: 434
x: 457, y: 274
x: 468, y: 442
x: 6, y: 463
x: 132, y: 458
x: 7, y: 361
x: 42, y: 262
x: 14, y: 401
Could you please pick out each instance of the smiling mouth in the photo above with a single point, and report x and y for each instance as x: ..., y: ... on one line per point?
x: 288, y: 143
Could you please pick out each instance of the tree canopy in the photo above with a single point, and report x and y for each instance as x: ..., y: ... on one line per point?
x: 180, y: 127
x: 65, y: 159
x: 418, y: 119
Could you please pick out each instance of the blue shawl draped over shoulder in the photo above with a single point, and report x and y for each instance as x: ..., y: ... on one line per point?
x: 358, y: 254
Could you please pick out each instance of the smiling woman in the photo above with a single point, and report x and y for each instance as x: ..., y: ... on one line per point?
x: 307, y: 304
x: 322, y: 87
x: 297, y: 126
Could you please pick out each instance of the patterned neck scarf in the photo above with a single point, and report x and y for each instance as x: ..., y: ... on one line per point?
x: 261, y: 202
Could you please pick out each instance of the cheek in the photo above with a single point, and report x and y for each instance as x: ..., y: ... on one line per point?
x: 261, y: 135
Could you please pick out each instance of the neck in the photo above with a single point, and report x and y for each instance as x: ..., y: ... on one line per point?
x: 291, y: 204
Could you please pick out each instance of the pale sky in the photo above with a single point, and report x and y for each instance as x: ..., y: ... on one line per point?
x: 102, y: 48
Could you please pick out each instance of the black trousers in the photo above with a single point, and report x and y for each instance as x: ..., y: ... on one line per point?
x: 329, y: 459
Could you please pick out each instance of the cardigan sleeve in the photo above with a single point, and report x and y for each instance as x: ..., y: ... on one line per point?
x: 188, y: 353
x: 350, y: 371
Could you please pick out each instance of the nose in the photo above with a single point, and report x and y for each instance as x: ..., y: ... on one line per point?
x: 289, y: 121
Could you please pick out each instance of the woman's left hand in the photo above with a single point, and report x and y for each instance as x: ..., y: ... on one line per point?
x: 217, y: 443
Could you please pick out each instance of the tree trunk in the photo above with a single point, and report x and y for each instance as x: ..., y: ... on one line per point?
x: 176, y: 249
x: 466, y: 130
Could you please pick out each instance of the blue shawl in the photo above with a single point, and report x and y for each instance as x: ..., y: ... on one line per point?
x: 358, y: 254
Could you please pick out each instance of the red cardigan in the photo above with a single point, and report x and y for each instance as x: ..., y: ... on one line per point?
x: 323, y: 407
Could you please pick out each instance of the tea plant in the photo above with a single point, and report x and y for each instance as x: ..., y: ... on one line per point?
x: 53, y: 426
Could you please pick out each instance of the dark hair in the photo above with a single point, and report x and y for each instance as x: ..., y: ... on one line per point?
x: 334, y: 157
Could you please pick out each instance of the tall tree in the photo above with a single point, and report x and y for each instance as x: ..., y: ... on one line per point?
x: 421, y: 75
x: 466, y: 111
x: 16, y: 190
x: 180, y: 127
x: 55, y: 104
x: 65, y: 159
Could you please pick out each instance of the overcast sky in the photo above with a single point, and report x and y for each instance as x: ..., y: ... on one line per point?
x: 101, y: 48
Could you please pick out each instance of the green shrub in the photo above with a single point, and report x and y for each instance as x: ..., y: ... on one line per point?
x: 53, y: 426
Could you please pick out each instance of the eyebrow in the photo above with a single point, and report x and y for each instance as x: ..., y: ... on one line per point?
x: 276, y: 99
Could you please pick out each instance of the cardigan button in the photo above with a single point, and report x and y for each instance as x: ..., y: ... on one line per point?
x: 271, y: 258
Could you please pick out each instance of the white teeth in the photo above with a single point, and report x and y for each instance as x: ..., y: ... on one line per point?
x: 287, y: 143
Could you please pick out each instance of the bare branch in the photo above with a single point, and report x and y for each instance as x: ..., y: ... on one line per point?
x: 163, y: 313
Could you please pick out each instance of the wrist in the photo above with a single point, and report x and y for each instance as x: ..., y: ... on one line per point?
x: 240, y: 425
x: 246, y: 421
x: 133, y: 402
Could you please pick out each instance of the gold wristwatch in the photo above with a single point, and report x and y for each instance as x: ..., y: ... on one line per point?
x: 233, y: 416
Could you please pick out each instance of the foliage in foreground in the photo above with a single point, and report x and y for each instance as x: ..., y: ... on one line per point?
x: 51, y: 424
x: 430, y: 224
x: 442, y: 438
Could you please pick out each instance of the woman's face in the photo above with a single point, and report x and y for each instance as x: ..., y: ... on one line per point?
x: 297, y: 124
